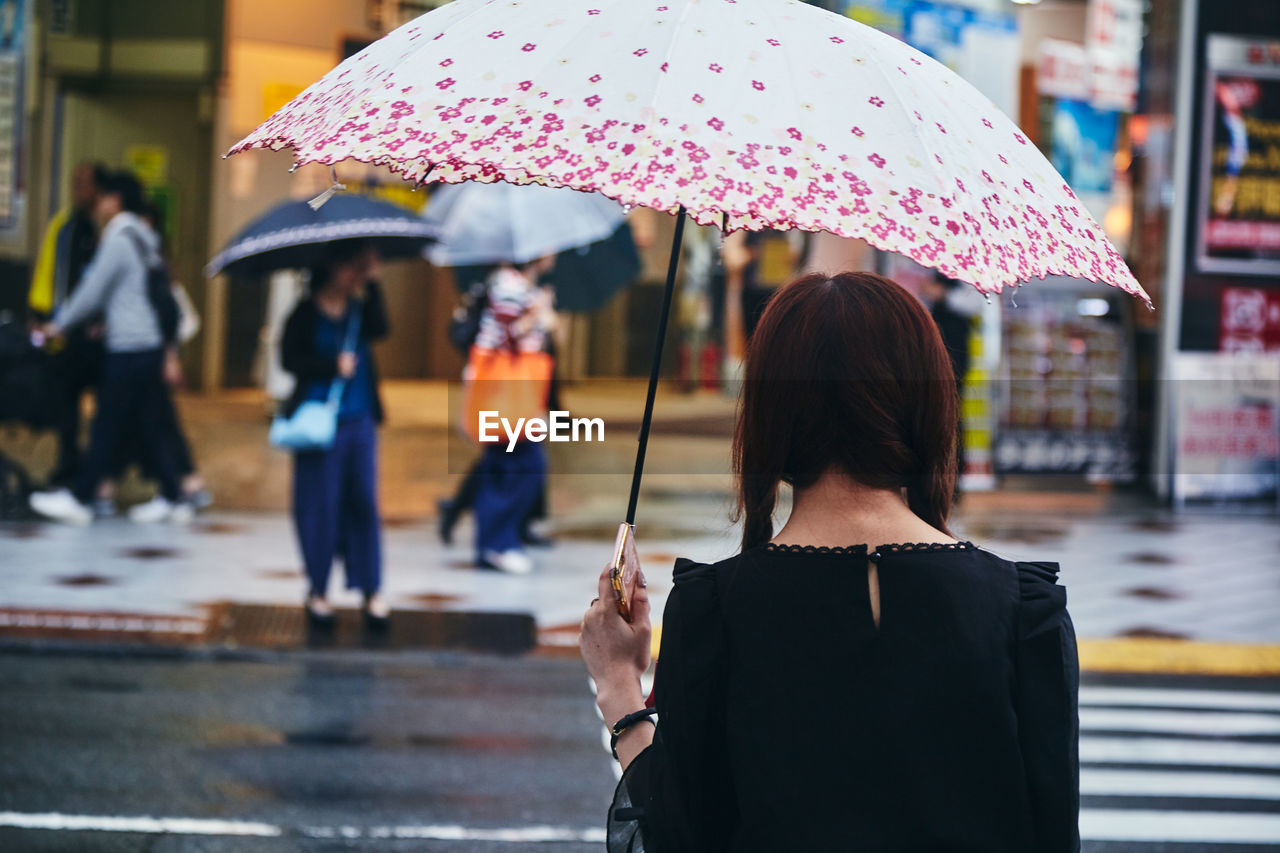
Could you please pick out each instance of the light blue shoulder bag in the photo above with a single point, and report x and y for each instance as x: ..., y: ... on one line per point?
x: 313, y: 425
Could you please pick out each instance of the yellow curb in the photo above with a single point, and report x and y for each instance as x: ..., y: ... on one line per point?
x: 1179, y: 657
x: 1154, y: 655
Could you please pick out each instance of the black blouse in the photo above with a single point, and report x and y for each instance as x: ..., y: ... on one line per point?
x: 789, y: 721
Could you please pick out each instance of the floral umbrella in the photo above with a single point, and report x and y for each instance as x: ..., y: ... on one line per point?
x: 742, y: 113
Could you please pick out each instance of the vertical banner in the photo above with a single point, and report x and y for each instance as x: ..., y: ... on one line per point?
x: 12, y: 42
x: 1240, y: 158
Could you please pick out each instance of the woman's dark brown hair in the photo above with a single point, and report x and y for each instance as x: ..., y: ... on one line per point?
x: 845, y: 372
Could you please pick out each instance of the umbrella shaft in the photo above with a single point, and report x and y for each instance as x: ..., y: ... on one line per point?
x: 656, y: 367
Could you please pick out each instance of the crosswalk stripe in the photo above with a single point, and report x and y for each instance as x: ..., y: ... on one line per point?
x: 1138, y: 825
x: 1177, y: 698
x: 1100, y: 782
x: 1179, y: 722
x: 1144, y: 750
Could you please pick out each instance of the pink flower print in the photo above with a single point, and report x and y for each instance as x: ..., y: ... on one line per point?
x: 946, y: 202
x: 640, y: 52
x: 445, y: 63
x: 933, y: 220
x: 757, y: 85
x: 859, y: 132
x: 1022, y: 140
x: 953, y: 226
x: 496, y: 34
x: 525, y: 85
x: 594, y: 78
x: 662, y: 8
x: 875, y: 101
x: 1030, y: 187
x: 663, y: 68
x: 790, y: 172
x: 916, y: 61
x: 877, y: 160
x: 938, y: 157
x: 784, y: 150
x: 773, y: 42
x: 697, y: 99
x: 794, y: 134
x: 916, y: 113
x: 716, y: 67
x: 592, y: 101
x: 445, y: 83
x: 716, y: 124
x: 593, y: 11
x: 627, y: 149
x: 529, y: 47
x: 987, y: 175
x: 910, y: 205
x: 1004, y: 159
x: 938, y: 125
x: 960, y: 184
x: 490, y: 119
x: 986, y: 122
x: 837, y: 40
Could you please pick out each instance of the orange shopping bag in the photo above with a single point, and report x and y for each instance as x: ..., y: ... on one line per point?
x: 513, y: 384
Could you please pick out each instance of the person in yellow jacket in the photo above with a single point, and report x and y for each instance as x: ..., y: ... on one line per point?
x: 69, y: 243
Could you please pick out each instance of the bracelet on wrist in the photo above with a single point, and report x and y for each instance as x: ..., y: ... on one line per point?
x: 627, y: 722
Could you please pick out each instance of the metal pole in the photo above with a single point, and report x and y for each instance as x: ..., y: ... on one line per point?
x: 657, y: 366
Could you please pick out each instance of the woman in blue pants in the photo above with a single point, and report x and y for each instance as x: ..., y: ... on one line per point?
x: 335, y: 491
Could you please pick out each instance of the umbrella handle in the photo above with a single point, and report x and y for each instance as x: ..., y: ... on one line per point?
x: 656, y: 367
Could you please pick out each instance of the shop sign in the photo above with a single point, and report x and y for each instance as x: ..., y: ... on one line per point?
x: 1227, y: 426
x: 1095, y: 454
x: 1239, y: 215
x: 1113, y: 42
x: 1063, y: 70
x: 1250, y: 320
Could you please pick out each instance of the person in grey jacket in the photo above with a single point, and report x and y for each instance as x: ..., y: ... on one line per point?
x: 132, y: 395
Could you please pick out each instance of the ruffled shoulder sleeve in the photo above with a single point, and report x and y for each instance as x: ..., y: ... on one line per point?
x: 675, y: 796
x: 1046, y: 702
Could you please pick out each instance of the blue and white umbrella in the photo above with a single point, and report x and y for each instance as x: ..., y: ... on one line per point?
x: 502, y: 223
x: 294, y: 234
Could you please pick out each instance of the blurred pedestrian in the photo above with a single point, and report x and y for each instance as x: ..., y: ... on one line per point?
x: 132, y: 395
x: 335, y: 491
x: 955, y: 323
x: 194, y: 490
x: 823, y: 690
x: 518, y: 317
x: 69, y: 243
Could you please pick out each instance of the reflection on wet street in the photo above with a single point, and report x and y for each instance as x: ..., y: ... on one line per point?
x: 276, y: 752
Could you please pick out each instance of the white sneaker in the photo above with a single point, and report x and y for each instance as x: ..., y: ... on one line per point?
x: 153, y: 511
x: 512, y: 562
x: 183, y: 512
x: 61, y: 505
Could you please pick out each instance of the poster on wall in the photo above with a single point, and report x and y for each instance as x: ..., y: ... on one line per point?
x: 1227, y: 427
x: 1239, y: 215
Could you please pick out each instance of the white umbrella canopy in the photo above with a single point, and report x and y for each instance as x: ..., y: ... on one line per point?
x: 502, y: 223
x: 746, y: 113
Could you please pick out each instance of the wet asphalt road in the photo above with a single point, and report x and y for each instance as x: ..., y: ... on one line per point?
x: 298, y: 741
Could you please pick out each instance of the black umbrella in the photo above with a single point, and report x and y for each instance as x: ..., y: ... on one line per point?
x: 293, y: 235
x: 585, y: 279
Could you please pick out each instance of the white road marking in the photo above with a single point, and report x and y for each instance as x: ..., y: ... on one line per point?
x: 1177, y: 698
x: 148, y: 825
x: 1229, y: 723
x: 201, y: 826
x: 1141, y: 750
x: 1175, y: 826
x: 1100, y: 782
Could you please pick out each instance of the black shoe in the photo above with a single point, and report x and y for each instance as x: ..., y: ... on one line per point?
x: 318, y: 619
x: 447, y: 519
x: 534, y: 540
x: 375, y: 622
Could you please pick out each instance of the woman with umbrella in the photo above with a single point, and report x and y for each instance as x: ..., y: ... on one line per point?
x: 335, y: 490
x: 910, y: 696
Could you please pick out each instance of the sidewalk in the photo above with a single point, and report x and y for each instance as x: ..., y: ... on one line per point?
x: 1134, y: 572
